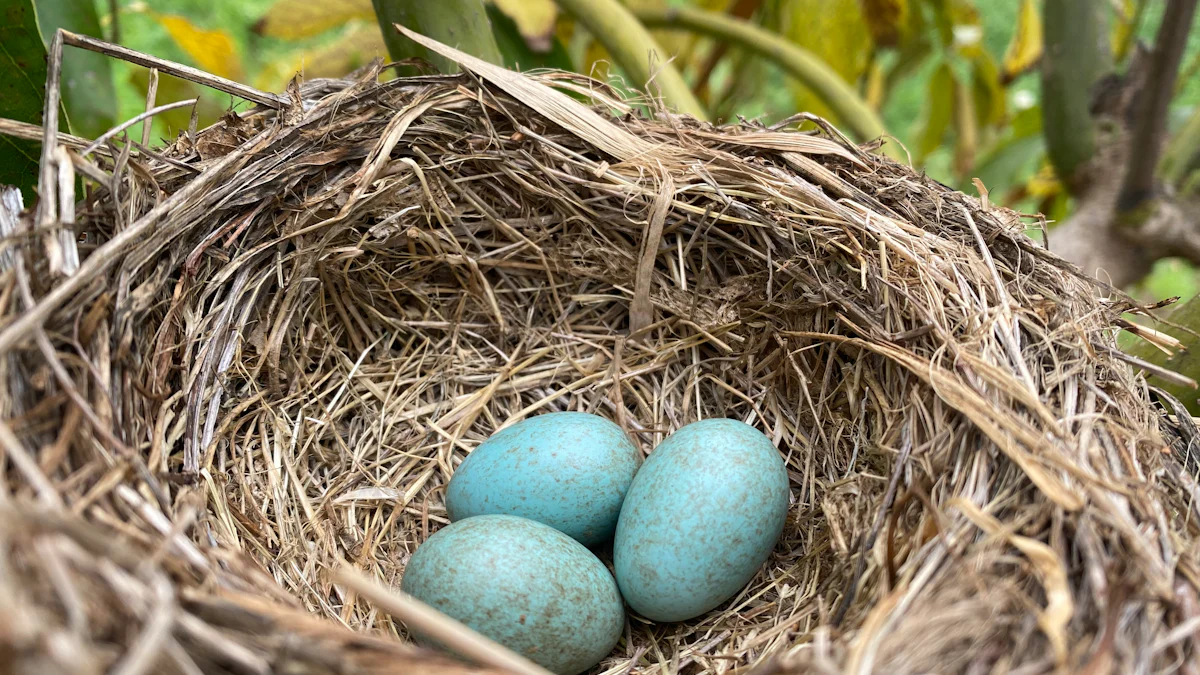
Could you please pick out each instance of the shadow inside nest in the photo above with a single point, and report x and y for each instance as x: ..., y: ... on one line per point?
x: 317, y: 318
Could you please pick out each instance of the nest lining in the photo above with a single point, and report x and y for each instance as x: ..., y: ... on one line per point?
x: 289, y: 328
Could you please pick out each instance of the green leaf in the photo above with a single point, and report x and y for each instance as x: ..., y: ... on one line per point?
x: 22, y: 90
x: 938, y: 112
x: 915, y: 45
x: 515, y: 48
x: 1027, y: 122
x: 1011, y: 163
x: 835, y: 31
x: 88, y: 93
x: 1170, y: 277
x: 987, y: 91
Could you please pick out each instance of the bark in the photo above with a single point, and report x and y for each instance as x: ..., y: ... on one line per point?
x: 1076, y: 55
x: 1140, y: 181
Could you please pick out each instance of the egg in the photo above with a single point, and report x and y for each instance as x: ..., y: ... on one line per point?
x: 569, y: 470
x: 700, y: 519
x: 523, y: 584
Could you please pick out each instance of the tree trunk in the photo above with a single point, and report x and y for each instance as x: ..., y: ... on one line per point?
x: 462, y: 24
x: 1076, y: 55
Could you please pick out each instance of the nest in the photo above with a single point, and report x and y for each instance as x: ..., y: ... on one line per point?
x: 286, y: 330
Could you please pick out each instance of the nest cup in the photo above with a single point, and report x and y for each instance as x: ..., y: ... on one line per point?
x: 288, y: 329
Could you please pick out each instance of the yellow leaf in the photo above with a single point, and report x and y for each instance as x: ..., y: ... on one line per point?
x: 885, y: 19
x: 836, y: 32
x: 535, y: 20
x: 596, y: 61
x: 294, y: 19
x: 1044, y: 184
x: 212, y: 50
x: 1026, y: 46
x: 1122, y: 29
x: 987, y: 91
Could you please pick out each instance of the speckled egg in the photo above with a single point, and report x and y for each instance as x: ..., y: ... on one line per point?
x: 700, y: 519
x: 523, y: 584
x: 569, y: 470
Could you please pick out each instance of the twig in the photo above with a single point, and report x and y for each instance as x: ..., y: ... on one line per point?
x: 171, y: 68
x: 1158, y: 371
x: 64, y: 233
x: 151, y: 99
x: 47, y: 212
x: 436, y: 625
x: 128, y: 123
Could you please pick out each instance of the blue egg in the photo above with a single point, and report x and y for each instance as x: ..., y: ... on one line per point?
x: 569, y: 470
x: 523, y: 584
x: 700, y: 519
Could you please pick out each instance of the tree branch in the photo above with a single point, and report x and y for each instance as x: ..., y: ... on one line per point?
x: 742, y: 9
x: 632, y: 47
x: 1157, y: 93
x: 1182, y: 155
x: 801, y: 64
x: 1075, y: 56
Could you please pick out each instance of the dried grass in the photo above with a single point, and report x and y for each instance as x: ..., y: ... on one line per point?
x: 285, y: 331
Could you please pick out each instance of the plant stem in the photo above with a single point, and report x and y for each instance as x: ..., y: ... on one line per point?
x: 462, y: 24
x: 801, y: 64
x: 633, y: 48
x: 1156, y: 95
x: 1075, y: 56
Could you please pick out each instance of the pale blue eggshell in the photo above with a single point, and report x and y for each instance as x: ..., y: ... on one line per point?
x: 523, y: 584
x: 700, y: 519
x: 569, y: 470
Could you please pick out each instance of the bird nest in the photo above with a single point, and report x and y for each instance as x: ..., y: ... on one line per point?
x: 285, y: 331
